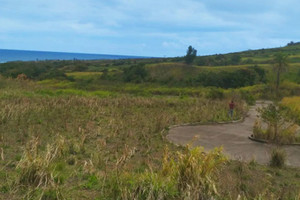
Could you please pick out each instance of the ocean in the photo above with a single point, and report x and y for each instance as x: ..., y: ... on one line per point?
x: 24, y: 55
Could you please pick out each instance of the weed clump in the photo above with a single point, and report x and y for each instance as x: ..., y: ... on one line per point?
x: 194, y: 172
x: 36, y: 169
x: 278, y: 157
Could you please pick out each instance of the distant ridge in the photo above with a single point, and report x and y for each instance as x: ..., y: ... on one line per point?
x: 7, y: 55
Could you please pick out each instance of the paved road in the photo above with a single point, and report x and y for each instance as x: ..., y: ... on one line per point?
x: 234, y: 139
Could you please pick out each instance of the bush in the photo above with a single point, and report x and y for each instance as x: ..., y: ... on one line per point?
x: 278, y: 157
x: 248, y: 97
x: 215, y: 93
x: 55, y: 74
x: 135, y: 73
x: 280, y: 129
x: 235, y: 79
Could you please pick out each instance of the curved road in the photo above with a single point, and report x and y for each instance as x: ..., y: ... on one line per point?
x: 234, y: 139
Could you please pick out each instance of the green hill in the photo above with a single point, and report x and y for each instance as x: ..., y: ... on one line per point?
x: 232, y: 70
x: 260, y: 56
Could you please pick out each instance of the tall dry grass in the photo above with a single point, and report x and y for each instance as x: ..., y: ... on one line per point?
x: 95, y: 131
x: 36, y: 169
x: 107, y: 146
x: 194, y: 172
x: 293, y: 104
x: 191, y: 174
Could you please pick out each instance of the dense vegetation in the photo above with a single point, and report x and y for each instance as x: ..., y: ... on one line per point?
x: 97, y: 129
x: 169, y: 71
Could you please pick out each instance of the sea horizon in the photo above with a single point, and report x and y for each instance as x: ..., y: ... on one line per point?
x: 10, y: 55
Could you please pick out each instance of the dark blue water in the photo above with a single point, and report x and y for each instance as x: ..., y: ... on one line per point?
x: 23, y: 55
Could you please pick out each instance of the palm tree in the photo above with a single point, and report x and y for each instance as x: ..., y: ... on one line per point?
x: 280, y: 65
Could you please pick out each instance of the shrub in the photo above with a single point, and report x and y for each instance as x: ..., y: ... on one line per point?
x: 135, y: 73
x: 215, y: 93
x: 230, y: 79
x: 278, y: 157
x: 249, y: 98
x: 22, y: 77
x: 280, y: 129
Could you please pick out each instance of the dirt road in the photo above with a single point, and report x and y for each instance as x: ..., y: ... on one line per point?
x: 234, y: 139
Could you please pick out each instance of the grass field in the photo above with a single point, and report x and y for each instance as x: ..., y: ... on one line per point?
x: 68, y: 133
x: 79, y: 146
x: 83, y: 75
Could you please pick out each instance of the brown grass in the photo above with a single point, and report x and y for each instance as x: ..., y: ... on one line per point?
x: 77, y: 147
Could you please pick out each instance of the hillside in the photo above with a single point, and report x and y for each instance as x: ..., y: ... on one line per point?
x: 97, y: 129
x: 260, y: 56
x: 166, y: 75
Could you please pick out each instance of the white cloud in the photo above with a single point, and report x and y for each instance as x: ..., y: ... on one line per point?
x: 148, y: 27
x: 173, y: 45
x: 90, y: 29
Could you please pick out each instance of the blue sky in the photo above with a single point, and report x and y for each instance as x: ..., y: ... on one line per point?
x: 148, y: 27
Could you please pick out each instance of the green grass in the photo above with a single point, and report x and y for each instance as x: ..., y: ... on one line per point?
x: 56, y: 83
x: 84, y: 75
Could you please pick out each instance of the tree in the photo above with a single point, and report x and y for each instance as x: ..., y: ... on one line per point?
x: 280, y: 126
x: 290, y: 43
x: 274, y: 119
x: 190, y: 55
x: 135, y: 73
x: 235, y: 59
x: 280, y: 65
